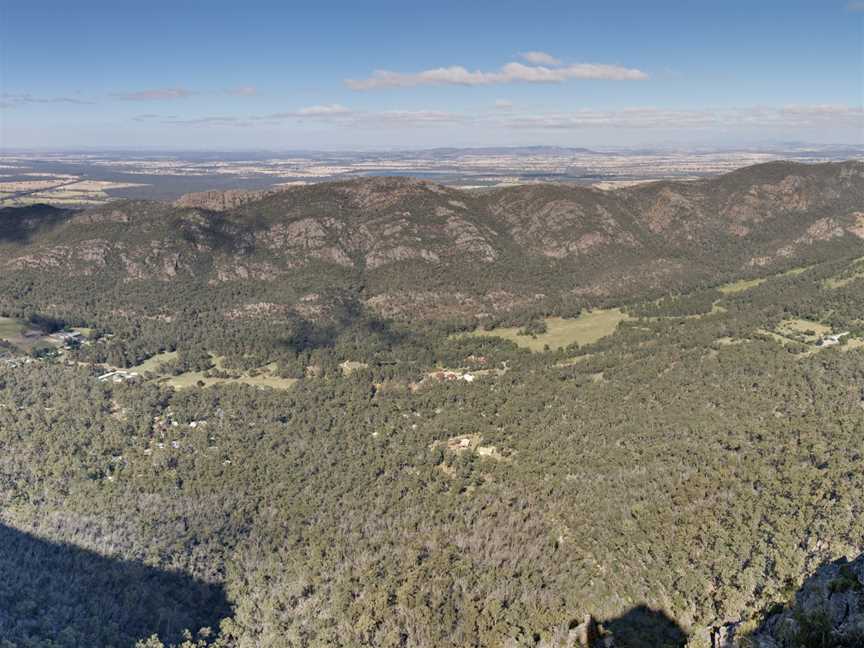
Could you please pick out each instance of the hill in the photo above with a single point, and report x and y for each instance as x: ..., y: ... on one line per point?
x: 421, y: 250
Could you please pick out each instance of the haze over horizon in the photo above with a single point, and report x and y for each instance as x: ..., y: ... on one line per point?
x: 343, y: 76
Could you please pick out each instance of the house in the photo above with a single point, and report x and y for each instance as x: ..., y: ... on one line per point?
x: 831, y: 340
x: 66, y: 337
x: 118, y: 376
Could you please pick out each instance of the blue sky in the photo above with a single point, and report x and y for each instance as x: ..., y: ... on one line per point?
x: 340, y: 75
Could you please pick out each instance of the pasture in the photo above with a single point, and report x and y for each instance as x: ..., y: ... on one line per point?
x: 10, y: 328
x: 153, y: 363
x: 560, y: 332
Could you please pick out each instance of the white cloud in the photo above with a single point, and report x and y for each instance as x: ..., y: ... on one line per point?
x: 798, y: 116
x: 509, y: 73
x: 332, y: 114
x: 207, y: 121
x: 412, y: 117
x: 144, y: 117
x: 154, y: 94
x: 855, y: 6
x: 503, y: 104
x: 323, y: 111
x: 540, y: 58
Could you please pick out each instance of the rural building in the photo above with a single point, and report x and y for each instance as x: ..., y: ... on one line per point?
x: 118, y: 376
x: 65, y: 337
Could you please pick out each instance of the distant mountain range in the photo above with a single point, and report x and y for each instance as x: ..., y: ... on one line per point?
x: 419, y: 249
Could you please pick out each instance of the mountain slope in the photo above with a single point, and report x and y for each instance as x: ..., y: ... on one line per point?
x: 423, y: 250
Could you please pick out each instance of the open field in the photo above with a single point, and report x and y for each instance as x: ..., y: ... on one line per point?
x: 192, y: 378
x: 740, y: 285
x: 153, y: 363
x: 20, y: 334
x: 855, y: 271
x: 265, y: 376
x: 10, y: 328
x: 745, y: 284
x: 809, y: 333
x: 60, y: 190
x: 585, y: 329
x: 852, y: 344
x: 803, y: 330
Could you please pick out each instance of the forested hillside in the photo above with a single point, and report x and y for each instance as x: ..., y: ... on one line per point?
x: 288, y: 464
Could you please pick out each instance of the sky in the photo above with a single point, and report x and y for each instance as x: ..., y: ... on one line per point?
x: 366, y: 74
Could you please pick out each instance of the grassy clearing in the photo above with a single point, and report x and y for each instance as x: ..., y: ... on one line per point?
x: 851, y: 344
x: 11, y: 328
x: 728, y: 341
x: 796, y: 271
x: 746, y: 284
x: 741, y: 285
x: 350, y: 366
x: 192, y: 378
x: 13, y: 331
x: 569, y: 362
x: 585, y: 329
x: 853, y: 272
x: 152, y: 364
x: 266, y: 377
x: 839, y: 282
x: 808, y: 333
x: 803, y: 330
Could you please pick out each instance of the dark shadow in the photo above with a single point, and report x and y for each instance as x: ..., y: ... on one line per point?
x: 19, y: 224
x: 642, y: 627
x: 62, y: 595
x: 224, y: 231
x: 212, y: 230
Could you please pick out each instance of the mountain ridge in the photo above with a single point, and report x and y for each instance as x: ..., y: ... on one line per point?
x: 405, y: 237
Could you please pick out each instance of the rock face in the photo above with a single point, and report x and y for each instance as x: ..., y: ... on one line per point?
x: 220, y: 200
x: 726, y: 636
x: 828, y: 611
x: 586, y: 634
x: 583, y: 635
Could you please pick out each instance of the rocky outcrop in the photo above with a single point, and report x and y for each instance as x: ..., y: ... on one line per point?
x: 561, y: 222
x: 828, y: 611
x: 220, y: 200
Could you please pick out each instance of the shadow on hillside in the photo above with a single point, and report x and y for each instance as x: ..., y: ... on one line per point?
x: 642, y: 627
x: 349, y: 319
x: 61, y: 595
x: 18, y: 224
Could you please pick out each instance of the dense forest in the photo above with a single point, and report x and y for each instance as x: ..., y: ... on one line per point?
x: 424, y: 482
x: 690, y: 464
